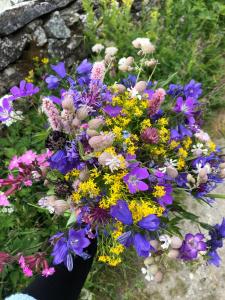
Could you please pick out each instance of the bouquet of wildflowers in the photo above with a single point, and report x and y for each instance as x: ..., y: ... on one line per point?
x: 120, y: 160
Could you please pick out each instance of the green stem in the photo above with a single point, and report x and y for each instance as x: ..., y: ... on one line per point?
x: 216, y: 196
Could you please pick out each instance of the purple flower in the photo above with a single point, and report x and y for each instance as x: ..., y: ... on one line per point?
x: 84, y: 68
x: 175, y: 90
x: 193, y: 89
x: 77, y: 241
x: 121, y: 212
x: 184, y: 131
x: 134, y: 180
x: 167, y: 199
x: 185, y: 106
x: 60, y: 251
x: 59, y: 69
x: 24, y: 89
x: 150, y: 223
x: 52, y: 81
x: 126, y: 239
x: 221, y: 228
x: 5, y: 109
x: 217, y: 233
x: 214, y: 258
x: 191, y: 246
x: 112, y: 111
x: 72, y: 152
x: 142, y: 245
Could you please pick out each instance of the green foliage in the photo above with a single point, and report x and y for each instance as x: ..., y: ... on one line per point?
x: 189, y: 38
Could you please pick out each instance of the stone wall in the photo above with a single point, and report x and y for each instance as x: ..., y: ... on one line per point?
x: 51, y: 28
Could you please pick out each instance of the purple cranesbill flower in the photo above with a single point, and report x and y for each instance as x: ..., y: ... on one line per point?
x: 5, y: 109
x: 77, y: 241
x: 112, y: 111
x: 142, y: 245
x: 59, y: 69
x: 175, y: 90
x: 52, y: 81
x: 84, y: 67
x: 121, y: 212
x: 214, y: 258
x: 191, y: 245
x: 150, y: 223
x: 25, y: 89
x: 193, y: 89
x: 134, y: 180
x: 185, y: 106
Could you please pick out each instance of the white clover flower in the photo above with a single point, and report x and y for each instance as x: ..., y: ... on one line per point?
x: 97, y: 48
x: 144, y: 44
x: 14, y: 117
x: 111, y: 51
x: 125, y: 64
x: 165, y: 240
x: 113, y: 163
x: 7, y: 209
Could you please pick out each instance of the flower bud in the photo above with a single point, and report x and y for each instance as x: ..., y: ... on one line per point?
x: 76, y: 122
x: 176, y: 242
x: 150, y: 63
x: 120, y: 88
x: 68, y: 103
x: 50, y: 200
x: 203, y: 179
x: 154, y: 244
x: 190, y: 178
x: 172, y: 172
x: 222, y: 173
x: 173, y: 253
x: 83, y: 112
x: 140, y: 86
x: 101, y: 142
x: 92, y: 132
x: 222, y: 166
x: 96, y: 123
x: 60, y: 206
x: 84, y: 174
x: 202, y: 172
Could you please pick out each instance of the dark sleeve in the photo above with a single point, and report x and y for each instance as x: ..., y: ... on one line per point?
x: 63, y: 285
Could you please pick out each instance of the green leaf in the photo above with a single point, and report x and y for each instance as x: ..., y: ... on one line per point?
x: 72, y: 219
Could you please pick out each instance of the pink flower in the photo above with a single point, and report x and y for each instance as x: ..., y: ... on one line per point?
x: 4, y: 259
x: 98, y: 71
x: 28, y: 157
x: 52, y: 113
x: 28, y: 182
x: 48, y: 272
x: 3, y: 200
x: 21, y: 262
x: 27, y: 271
x: 14, y: 163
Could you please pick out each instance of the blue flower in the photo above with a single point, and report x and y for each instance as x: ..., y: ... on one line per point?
x: 142, y: 245
x: 126, y: 239
x: 77, y: 241
x: 214, y: 258
x: 25, y: 89
x: 121, y: 212
x: 129, y: 81
x: 150, y: 223
x: 84, y: 67
x: 193, y: 89
x: 52, y: 81
x: 175, y: 90
x: 59, y: 69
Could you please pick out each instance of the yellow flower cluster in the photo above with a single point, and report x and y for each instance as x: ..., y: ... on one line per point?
x: 163, y: 121
x: 131, y: 145
x: 118, y: 230
x: 159, y: 191
x: 73, y: 173
x: 30, y: 77
x: 86, y: 189
x: 116, y: 188
x: 112, y: 261
x: 145, y: 124
x: 45, y: 60
x: 164, y: 134
x: 182, y: 153
x: 141, y: 209
x: 212, y: 146
x: 187, y: 143
x: 174, y: 144
x: 118, y: 249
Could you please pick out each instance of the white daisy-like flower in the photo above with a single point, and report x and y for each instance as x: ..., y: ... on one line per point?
x: 198, y: 149
x: 134, y: 93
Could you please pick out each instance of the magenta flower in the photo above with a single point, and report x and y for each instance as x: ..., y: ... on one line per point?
x: 48, y: 272
x: 134, y: 180
x: 3, y: 200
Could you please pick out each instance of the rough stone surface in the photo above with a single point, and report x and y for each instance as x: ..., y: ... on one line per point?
x: 16, y: 17
x: 55, y: 27
x: 70, y: 15
x: 40, y: 36
x: 11, y: 48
